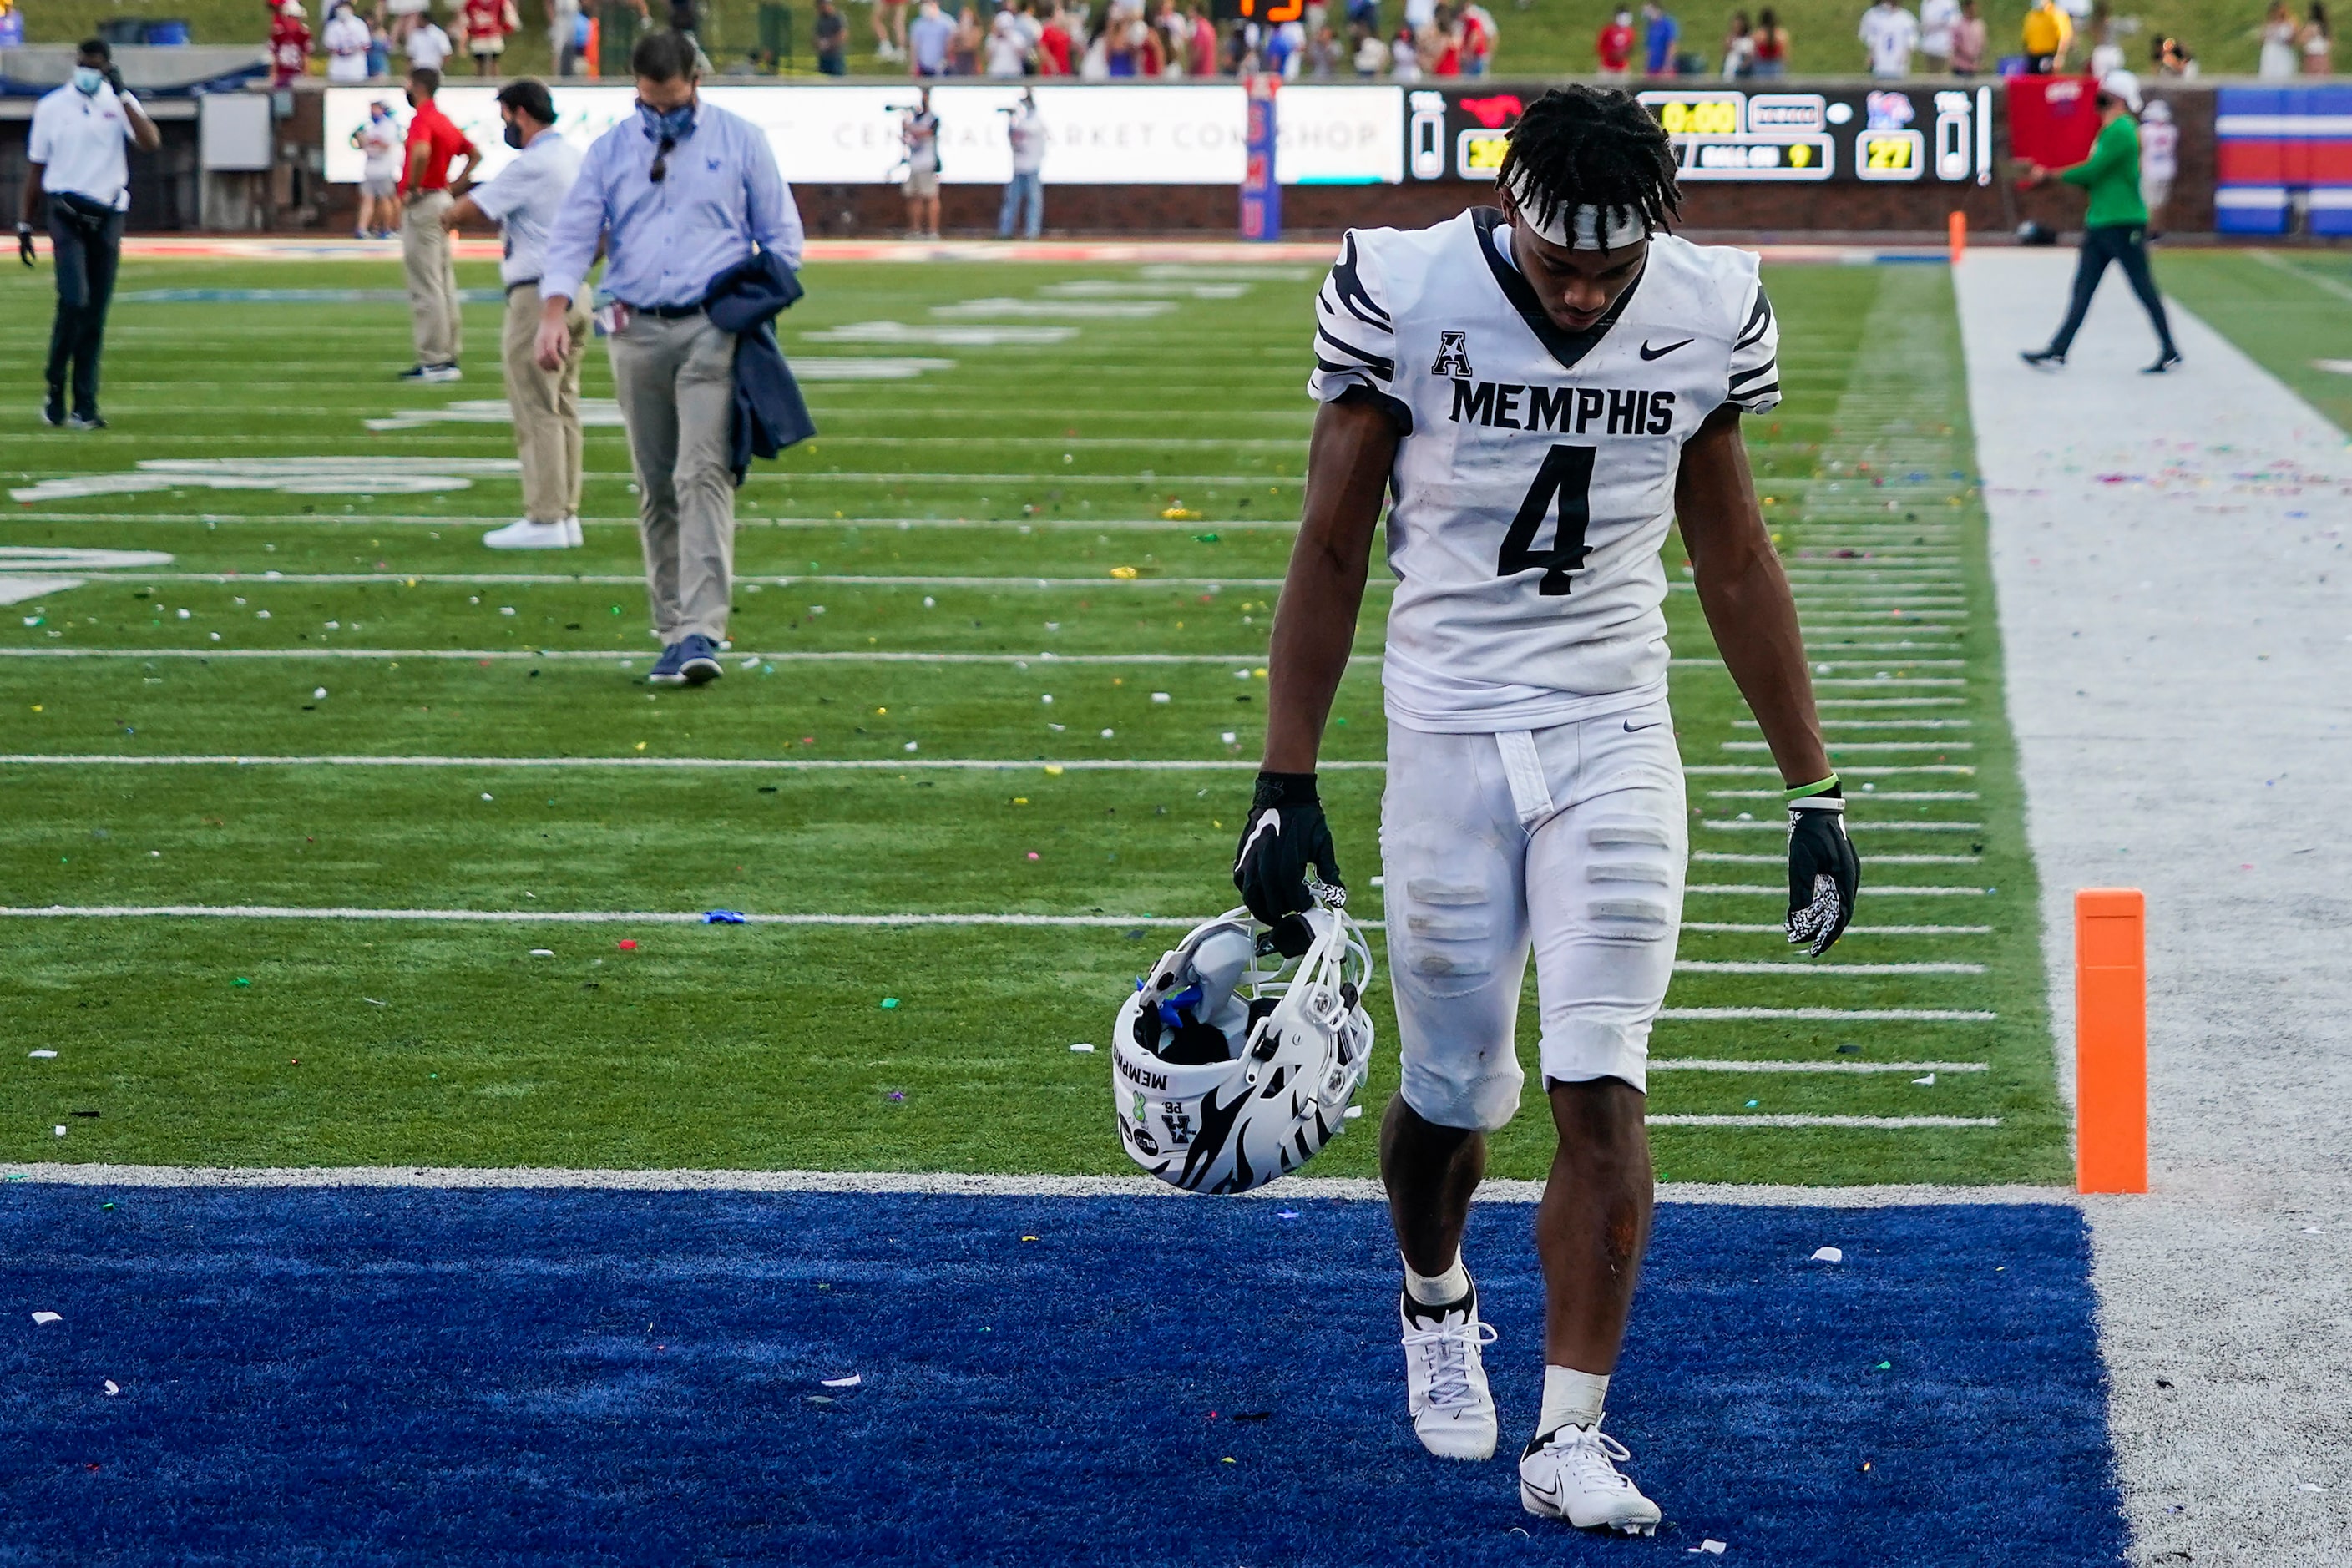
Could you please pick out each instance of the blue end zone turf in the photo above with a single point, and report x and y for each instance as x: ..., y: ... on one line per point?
x: 356, y: 1377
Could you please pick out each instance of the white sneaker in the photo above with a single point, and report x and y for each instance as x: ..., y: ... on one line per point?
x: 1571, y: 1474
x: 1446, y: 1378
x: 572, y: 531
x: 528, y: 535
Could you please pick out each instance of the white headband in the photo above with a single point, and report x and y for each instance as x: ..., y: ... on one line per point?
x: 1577, y: 228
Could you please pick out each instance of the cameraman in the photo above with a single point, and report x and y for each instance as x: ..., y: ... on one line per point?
x: 918, y: 130
x: 1026, y: 128
x: 75, y: 155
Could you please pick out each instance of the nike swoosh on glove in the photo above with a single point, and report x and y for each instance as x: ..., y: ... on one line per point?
x: 1286, y: 833
x: 1824, y: 873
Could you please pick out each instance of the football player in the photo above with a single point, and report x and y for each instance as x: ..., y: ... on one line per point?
x: 1543, y: 389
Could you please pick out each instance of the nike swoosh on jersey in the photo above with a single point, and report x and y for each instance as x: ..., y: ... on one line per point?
x: 1649, y: 352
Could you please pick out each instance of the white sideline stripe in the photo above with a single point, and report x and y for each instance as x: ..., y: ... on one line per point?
x: 1744, y: 966
x: 1913, y: 795
x: 1359, y: 1189
x: 1839, y: 722
x: 1831, y: 1014
x: 1859, y: 827
x: 754, y: 519
x: 1877, y: 890
x: 1743, y: 929
x: 1881, y: 770
x: 793, y: 764
x: 1878, y: 1123
x: 1724, y: 857
x: 1700, y: 1064
x: 1863, y: 745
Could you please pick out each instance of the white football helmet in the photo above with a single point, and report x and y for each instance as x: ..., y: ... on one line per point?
x: 1232, y: 1064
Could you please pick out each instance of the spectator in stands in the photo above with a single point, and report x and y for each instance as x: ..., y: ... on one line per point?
x: 1614, y: 50
x: 2277, y: 33
x: 831, y: 38
x: 1738, y: 47
x: 482, y: 28
x: 1025, y: 128
x: 290, y: 43
x: 563, y: 36
x: 434, y: 147
x: 927, y: 41
x: 1008, y: 46
x: 1937, y: 20
x: 1660, y: 34
x: 426, y: 46
x: 1371, y: 55
x: 544, y: 403
x: 889, y: 29
x: 405, y: 14
x: 1480, y: 35
x: 345, y: 39
x: 1204, y: 60
x: 378, y: 140
x: 1404, y: 56
x: 2047, y: 31
x: 680, y: 195
x: 1054, y: 44
x: 918, y: 132
x: 1968, y: 40
x: 2113, y: 228
x: 1771, y: 45
x: 73, y: 155
x: 1324, y: 52
x: 2106, y: 55
x: 2159, y: 164
x: 1889, y: 34
x: 2316, y: 44
x: 964, y: 44
x: 379, y: 55
x: 2173, y: 58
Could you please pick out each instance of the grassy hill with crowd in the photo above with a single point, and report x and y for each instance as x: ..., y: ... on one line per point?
x: 1544, y: 37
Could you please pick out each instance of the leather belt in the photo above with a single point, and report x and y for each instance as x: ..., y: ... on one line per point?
x: 666, y: 312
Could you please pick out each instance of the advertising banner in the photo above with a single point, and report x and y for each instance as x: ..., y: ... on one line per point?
x: 1730, y: 134
x: 1189, y: 134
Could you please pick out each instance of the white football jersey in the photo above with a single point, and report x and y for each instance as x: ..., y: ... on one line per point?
x: 1535, y: 483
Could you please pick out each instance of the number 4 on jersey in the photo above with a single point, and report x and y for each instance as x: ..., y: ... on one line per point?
x: 1567, y: 472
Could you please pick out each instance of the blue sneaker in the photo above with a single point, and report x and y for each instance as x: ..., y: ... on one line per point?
x: 666, y: 668
x: 698, y: 660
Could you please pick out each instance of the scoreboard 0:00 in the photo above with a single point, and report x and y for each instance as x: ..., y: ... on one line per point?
x: 1711, y: 114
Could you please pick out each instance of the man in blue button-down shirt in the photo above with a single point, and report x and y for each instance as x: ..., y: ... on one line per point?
x: 679, y: 194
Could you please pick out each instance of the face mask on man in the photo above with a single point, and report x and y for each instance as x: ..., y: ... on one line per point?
x: 87, y: 79
x: 514, y: 133
x: 667, y: 124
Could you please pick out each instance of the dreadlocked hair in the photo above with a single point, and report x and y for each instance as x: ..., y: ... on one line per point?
x: 1582, y: 146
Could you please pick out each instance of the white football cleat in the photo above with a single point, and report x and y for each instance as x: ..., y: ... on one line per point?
x: 528, y: 535
x: 1446, y: 1378
x: 1571, y: 1474
x: 572, y: 531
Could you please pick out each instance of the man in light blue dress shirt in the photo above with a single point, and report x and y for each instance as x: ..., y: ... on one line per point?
x: 679, y: 194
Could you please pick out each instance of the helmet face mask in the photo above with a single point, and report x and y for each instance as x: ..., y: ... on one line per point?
x: 1287, y: 1046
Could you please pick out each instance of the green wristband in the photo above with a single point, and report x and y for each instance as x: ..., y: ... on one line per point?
x: 1792, y: 796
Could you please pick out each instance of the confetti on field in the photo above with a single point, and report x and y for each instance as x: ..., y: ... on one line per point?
x: 1828, y: 1254
x: 45, y: 1318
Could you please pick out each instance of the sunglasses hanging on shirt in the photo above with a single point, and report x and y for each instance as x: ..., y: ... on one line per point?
x: 661, y: 161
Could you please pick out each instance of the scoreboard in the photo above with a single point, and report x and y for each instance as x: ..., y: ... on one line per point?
x: 1731, y: 135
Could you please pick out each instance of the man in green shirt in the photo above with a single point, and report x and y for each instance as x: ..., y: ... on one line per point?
x: 2115, y: 228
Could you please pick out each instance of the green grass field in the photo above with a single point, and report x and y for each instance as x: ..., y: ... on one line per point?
x: 2285, y: 309
x: 974, y: 514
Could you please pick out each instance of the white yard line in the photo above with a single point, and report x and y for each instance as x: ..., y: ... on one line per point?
x: 1877, y: 890
x: 1722, y: 858
x: 1356, y: 1189
x: 1830, y: 1015
x: 637, y: 580
x: 1874, y: 1123
x: 1799, y: 968
x: 1701, y: 1064
x: 1863, y: 745
x: 1865, y: 828
x: 1742, y: 928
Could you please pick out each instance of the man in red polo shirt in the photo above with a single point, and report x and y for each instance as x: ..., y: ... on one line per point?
x: 427, y: 250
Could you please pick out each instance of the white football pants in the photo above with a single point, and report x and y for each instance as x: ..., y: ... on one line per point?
x: 1570, y: 841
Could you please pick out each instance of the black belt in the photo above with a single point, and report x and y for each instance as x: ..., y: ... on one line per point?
x: 526, y: 283
x: 666, y: 312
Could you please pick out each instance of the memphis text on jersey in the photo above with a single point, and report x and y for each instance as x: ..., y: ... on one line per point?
x: 1570, y: 410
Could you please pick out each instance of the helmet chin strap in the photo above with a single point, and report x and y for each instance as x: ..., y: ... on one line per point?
x: 1585, y: 227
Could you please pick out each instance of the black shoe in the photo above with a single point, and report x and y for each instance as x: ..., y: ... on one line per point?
x: 53, y: 412
x: 2169, y: 360
x: 2044, y: 359
x: 90, y: 421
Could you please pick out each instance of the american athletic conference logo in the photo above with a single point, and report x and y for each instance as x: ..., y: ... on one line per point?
x: 1452, y: 355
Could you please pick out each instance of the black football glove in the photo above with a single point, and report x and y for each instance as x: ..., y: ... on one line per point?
x: 1284, y: 836
x: 1824, y: 873
x: 114, y: 80
x: 25, y: 243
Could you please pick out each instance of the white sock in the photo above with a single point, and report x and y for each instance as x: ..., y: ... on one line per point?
x: 1571, y: 1398
x: 1436, y: 1289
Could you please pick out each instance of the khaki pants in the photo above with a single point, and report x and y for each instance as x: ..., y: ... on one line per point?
x: 675, y: 383
x: 432, y: 264
x: 546, y: 408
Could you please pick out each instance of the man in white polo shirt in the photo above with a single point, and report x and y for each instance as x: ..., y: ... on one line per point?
x: 74, y: 154
x: 522, y: 201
